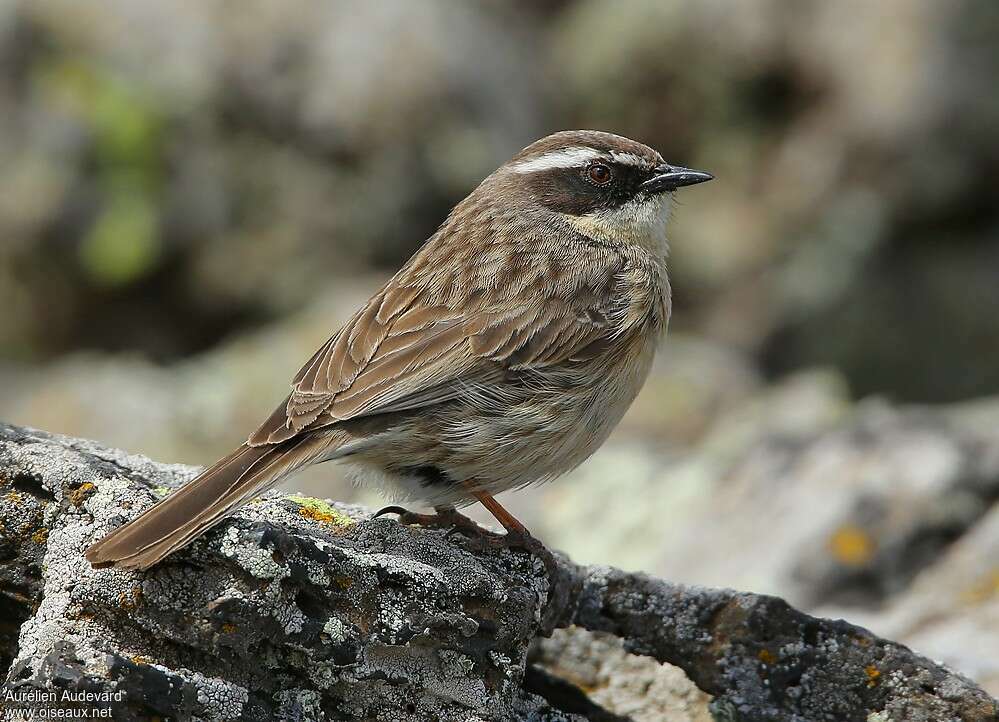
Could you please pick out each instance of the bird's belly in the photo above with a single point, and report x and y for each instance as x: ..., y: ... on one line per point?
x: 533, y: 429
x: 542, y: 425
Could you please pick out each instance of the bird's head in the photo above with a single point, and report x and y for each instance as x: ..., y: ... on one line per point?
x: 603, y: 185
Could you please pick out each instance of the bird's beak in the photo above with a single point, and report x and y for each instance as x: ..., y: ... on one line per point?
x: 671, y: 177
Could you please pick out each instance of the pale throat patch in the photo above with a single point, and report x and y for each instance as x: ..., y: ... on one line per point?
x: 575, y: 157
x: 640, y: 222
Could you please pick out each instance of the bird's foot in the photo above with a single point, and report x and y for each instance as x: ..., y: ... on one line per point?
x: 442, y: 518
x: 560, y: 581
x: 518, y: 540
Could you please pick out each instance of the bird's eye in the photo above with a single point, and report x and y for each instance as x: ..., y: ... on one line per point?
x: 599, y: 174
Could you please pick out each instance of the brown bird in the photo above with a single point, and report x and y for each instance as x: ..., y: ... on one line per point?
x: 502, y: 354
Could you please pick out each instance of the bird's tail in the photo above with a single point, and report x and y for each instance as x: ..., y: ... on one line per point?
x: 182, y: 516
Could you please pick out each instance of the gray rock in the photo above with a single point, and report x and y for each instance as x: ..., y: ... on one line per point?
x: 633, y: 686
x: 294, y: 610
x: 302, y: 609
x: 846, y: 511
x: 950, y: 610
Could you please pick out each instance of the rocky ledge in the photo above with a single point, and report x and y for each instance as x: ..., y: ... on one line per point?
x: 302, y: 609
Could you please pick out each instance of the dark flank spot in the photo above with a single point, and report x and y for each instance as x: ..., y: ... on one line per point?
x: 428, y: 474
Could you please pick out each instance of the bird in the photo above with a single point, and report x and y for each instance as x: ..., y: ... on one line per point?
x: 501, y: 354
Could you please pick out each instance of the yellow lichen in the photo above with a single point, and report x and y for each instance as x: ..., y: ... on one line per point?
x: 14, y: 497
x: 851, y: 545
x: 40, y: 536
x: 319, y: 510
x: 228, y: 627
x: 873, y: 675
x: 130, y: 600
x: 767, y: 657
x: 80, y: 494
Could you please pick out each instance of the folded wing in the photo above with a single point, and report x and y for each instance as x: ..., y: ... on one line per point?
x: 417, y: 345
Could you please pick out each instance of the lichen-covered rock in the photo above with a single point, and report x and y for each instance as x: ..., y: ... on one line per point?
x: 302, y: 609
x: 764, y: 661
x: 295, y: 609
x: 638, y: 688
x: 950, y: 611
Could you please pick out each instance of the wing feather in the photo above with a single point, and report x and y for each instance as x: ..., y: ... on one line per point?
x: 414, y: 345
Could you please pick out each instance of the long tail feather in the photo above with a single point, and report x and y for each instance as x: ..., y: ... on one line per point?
x: 200, y: 504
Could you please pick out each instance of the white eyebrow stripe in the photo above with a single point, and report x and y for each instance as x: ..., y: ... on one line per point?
x: 629, y: 159
x: 564, y: 158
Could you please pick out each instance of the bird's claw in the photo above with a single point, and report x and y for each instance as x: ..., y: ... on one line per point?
x: 406, y: 516
x: 451, y: 519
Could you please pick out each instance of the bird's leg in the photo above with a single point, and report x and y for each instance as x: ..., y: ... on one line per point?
x: 517, y: 536
x: 443, y: 517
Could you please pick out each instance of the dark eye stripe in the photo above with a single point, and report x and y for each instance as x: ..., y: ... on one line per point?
x: 572, y: 191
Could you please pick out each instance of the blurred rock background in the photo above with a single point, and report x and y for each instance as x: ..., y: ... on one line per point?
x: 192, y: 195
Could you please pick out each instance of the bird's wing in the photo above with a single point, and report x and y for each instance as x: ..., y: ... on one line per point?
x: 417, y: 342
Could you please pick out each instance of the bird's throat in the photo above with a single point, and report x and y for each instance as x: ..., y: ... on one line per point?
x: 641, y: 223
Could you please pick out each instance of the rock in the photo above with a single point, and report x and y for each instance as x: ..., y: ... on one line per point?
x: 763, y: 660
x: 879, y: 513
x: 951, y: 609
x: 637, y: 688
x: 298, y: 608
x: 803, y: 495
x: 295, y: 609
